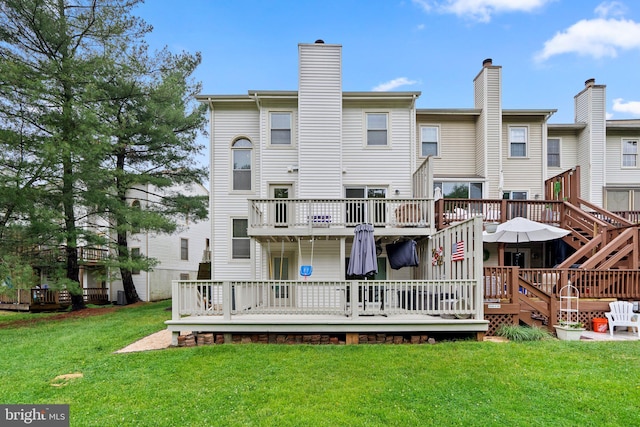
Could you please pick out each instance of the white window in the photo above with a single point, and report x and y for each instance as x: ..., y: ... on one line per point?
x: 241, y: 150
x: 280, y: 124
x: 377, y: 129
x: 629, y: 153
x: 429, y: 141
x: 459, y: 190
x: 358, y: 211
x: 622, y: 200
x: 518, y: 142
x: 184, y: 249
x: 553, y: 152
x: 240, y: 242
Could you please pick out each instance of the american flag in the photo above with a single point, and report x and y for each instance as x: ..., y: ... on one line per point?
x: 457, y: 254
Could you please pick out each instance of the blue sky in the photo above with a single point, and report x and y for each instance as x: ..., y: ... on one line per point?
x: 547, y: 48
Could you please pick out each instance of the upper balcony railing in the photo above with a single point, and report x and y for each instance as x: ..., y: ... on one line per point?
x: 267, y: 215
x: 495, y: 210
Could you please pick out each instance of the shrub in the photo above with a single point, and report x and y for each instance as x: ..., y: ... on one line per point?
x: 520, y: 333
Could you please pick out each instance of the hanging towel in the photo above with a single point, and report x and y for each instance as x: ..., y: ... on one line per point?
x: 402, y: 254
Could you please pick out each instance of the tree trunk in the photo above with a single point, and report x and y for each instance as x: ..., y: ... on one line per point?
x: 127, y: 279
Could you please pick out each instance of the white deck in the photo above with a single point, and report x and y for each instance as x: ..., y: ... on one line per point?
x: 323, y: 307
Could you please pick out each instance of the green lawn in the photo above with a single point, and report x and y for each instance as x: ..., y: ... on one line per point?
x: 463, y: 383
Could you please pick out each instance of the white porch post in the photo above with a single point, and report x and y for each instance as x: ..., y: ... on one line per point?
x: 478, y: 270
x: 226, y: 300
x: 175, y: 309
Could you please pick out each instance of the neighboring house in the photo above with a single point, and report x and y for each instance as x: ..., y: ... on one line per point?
x: 178, y: 254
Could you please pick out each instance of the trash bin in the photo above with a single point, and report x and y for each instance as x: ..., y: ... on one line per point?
x: 121, y: 299
x: 599, y: 324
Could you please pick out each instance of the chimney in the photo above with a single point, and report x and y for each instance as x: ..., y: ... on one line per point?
x: 487, y: 62
x: 590, y: 82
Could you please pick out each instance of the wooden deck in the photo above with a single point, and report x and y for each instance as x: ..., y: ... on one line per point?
x: 37, y: 299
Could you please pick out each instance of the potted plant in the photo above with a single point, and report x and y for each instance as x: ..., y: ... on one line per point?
x: 569, y: 331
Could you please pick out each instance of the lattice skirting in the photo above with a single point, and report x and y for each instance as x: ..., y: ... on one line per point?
x: 496, y: 320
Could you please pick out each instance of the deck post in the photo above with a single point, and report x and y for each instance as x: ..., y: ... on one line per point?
x: 174, y: 338
x: 226, y: 300
x: 175, y: 304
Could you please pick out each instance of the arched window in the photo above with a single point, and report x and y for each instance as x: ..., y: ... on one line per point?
x: 241, y: 150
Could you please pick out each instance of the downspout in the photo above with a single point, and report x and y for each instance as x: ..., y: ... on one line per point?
x: 211, y: 193
x: 148, y: 284
x: 545, y: 137
x: 413, y: 148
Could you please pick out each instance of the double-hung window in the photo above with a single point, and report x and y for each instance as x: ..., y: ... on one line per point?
x: 429, y: 141
x: 553, y: 152
x: 280, y: 128
x: 240, y: 242
x: 184, y: 249
x: 518, y: 141
x: 241, y: 152
x: 629, y: 153
x: 377, y: 129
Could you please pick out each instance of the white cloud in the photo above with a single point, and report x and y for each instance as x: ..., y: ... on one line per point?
x: 596, y: 37
x: 612, y: 8
x: 630, y: 107
x: 601, y: 37
x: 480, y: 10
x: 392, y: 84
x: 420, y: 27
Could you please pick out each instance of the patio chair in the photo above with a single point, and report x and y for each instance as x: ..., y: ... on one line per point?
x: 622, y: 314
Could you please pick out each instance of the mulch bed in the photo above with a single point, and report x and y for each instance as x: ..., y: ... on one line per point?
x: 77, y: 314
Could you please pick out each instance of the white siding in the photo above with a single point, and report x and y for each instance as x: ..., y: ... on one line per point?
x: 276, y: 161
x: 229, y: 123
x: 320, y: 120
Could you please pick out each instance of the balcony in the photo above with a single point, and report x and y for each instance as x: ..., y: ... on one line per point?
x: 337, y: 217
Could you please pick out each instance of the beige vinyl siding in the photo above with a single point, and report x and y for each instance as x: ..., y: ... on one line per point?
x: 568, y: 151
x: 230, y: 122
x: 524, y: 174
x: 320, y: 120
x: 598, y: 142
x: 616, y: 175
x: 456, y: 146
x: 488, y: 86
x: 388, y: 166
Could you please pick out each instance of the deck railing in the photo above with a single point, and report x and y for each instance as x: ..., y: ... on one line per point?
x: 454, y: 298
x: 501, y: 283
x: 95, y: 295
x: 40, y: 296
x: 272, y: 213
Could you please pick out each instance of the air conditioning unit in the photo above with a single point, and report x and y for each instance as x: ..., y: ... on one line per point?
x: 122, y: 300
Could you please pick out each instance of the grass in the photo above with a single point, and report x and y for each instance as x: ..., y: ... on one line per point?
x: 458, y: 383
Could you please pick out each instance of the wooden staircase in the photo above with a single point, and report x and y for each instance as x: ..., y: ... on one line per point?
x: 204, y: 271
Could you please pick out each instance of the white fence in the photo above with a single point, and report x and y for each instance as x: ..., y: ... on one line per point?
x: 454, y: 298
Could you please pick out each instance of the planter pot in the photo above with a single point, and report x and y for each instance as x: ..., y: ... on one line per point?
x: 567, y: 333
